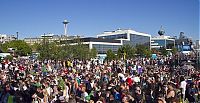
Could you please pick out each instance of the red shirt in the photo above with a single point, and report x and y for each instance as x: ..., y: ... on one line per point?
x: 21, y: 68
x: 130, y: 81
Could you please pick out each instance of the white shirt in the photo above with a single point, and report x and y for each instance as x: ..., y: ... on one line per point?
x: 136, y: 79
x: 124, y: 70
x: 67, y: 92
x: 134, y: 68
x: 49, y: 90
x: 122, y: 76
x: 84, y: 95
x: 183, y: 86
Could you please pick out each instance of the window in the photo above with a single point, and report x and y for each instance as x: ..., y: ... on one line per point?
x: 117, y: 36
x: 102, y: 48
x: 138, y: 39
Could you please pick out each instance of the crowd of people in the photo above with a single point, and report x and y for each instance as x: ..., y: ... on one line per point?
x: 139, y: 80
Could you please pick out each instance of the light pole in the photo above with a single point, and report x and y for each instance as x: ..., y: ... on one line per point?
x: 17, y: 35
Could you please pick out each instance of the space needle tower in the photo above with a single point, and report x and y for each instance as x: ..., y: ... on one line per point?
x: 65, y: 22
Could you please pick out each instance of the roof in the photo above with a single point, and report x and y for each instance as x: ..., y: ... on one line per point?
x: 122, y: 31
x: 91, y: 39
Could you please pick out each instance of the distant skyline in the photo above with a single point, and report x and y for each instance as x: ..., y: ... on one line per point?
x: 32, y: 18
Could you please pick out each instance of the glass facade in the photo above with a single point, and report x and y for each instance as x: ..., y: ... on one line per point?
x: 135, y: 39
x: 138, y: 39
x: 186, y: 48
x: 169, y: 44
x: 160, y: 43
x: 102, y: 48
x: 117, y: 36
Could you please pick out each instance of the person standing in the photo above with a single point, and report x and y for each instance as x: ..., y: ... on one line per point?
x: 183, y: 85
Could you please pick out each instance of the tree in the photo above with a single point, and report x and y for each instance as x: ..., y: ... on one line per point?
x: 51, y: 51
x: 110, y: 55
x: 44, y: 51
x: 34, y: 47
x: 80, y: 51
x: 148, y: 53
x: 58, y: 52
x: 174, y: 50
x: 21, y: 47
x: 126, y: 51
x: 143, y: 51
x: 9, y: 57
x: 163, y: 51
x: 93, y: 53
x: 140, y: 50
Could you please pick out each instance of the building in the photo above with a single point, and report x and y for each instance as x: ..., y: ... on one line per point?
x: 121, y: 37
x: 113, y: 40
x: 32, y: 41
x: 197, y: 44
x: 105, y: 41
x: 197, y: 50
x: 127, y: 36
x: 6, y: 38
x: 162, y: 41
x: 183, y: 40
x: 101, y: 45
x: 48, y: 38
x: 184, y: 44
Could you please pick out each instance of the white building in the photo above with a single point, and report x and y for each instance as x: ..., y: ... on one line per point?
x: 114, y: 40
x: 197, y: 44
x: 127, y: 36
x: 48, y: 38
x: 197, y: 48
x: 6, y: 38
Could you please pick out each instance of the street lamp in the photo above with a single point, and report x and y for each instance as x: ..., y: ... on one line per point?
x: 17, y: 35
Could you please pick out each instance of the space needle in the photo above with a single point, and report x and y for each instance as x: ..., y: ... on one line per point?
x: 65, y: 22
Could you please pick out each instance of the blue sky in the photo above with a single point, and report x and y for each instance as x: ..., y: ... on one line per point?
x: 91, y: 17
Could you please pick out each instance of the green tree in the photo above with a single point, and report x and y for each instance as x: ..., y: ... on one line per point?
x: 174, y: 50
x: 126, y: 51
x: 34, y: 47
x: 43, y: 51
x: 163, y: 51
x: 9, y: 57
x: 51, y: 51
x: 110, y: 55
x: 21, y: 47
x: 93, y: 53
x: 148, y: 53
x: 80, y: 51
x: 57, y: 51
x: 143, y: 51
x: 140, y: 50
